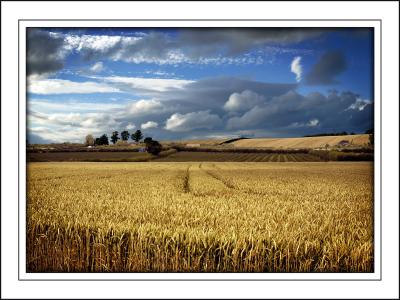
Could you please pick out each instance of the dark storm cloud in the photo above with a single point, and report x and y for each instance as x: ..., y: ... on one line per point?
x: 200, y: 107
x: 45, y: 52
x: 314, y: 112
x: 328, y: 67
x: 203, y: 100
x: 214, y: 92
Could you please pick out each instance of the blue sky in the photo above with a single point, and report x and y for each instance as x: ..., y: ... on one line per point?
x: 183, y: 83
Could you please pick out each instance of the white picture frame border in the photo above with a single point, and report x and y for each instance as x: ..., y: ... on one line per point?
x: 15, y: 285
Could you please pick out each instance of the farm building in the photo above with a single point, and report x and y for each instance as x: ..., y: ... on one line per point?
x: 344, y: 143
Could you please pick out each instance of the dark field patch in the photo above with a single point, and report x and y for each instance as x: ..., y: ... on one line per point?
x: 237, y: 157
x: 88, y: 156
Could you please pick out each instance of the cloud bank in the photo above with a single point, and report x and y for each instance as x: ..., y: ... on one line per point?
x: 45, y: 52
x: 211, y: 107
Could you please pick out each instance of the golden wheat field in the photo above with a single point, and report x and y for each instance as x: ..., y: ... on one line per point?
x: 303, y: 142
x: 200, y: 217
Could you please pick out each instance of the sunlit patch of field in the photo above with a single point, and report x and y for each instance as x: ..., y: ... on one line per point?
x: 209, y: 142
x: 303, y: 142
x: 200, y: 217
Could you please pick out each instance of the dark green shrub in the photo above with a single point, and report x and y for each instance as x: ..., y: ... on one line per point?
x: 153, y: 147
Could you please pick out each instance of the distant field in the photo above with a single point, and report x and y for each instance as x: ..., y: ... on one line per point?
x: 354, y: 148
x: 360, y: 140
x: 210, y: 142
x: 303, y: 142
x: 200, y: 217
x: 238, y: 157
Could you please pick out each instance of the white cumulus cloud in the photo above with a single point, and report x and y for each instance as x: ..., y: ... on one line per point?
x: 149, y: 125
x: 313, y: 123
x: 191, y: 121
x: 145, y: 107
x: 130, y: 126
x: 360, y: 104
x: 297, y: 68
x: 243, y: 101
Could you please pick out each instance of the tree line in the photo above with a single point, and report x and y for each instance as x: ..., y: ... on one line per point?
x: 137, y: 136
x: 152, y: 146
x: 330, y: 134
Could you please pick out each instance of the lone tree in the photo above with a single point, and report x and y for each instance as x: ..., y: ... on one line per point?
x: 89, y: 140
x: 152, y: 146
x: 125, y: 135
x: 103, y: 140
x: 114, y: 137
x: 147, y: 140
x: 371, y: 139
x: 137, y: 136
x: 371, y: 136
x: 370, y: 131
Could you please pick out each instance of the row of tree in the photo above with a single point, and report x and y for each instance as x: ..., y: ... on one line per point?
x: 330, y: 134
x: 103, y: 140
x: 152, y: 146
x: 125, y: 135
